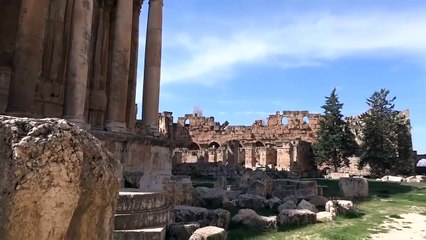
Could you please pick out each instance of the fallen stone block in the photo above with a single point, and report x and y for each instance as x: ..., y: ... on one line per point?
x: 250, y: 218
x: 307, y: 205
x: 354, y: 187
x: 296, y: 217
x: 209, y: 233
x: 181, y: 231
x: 216, y: 217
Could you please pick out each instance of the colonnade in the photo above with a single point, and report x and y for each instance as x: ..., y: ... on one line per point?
x: 77, y: 59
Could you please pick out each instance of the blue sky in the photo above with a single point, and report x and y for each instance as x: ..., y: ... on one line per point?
x: 241, y: 60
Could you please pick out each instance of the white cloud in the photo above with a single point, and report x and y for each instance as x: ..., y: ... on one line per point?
x: 306, y: 40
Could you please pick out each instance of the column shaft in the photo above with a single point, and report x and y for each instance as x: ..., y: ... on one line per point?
x: 28, y: 57
x: 131, y: 93
x: 151, y: 84
x: 78, y: 66
x: 120, y: 61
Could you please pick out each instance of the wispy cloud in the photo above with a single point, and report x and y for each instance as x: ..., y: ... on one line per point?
x: 306, y: 40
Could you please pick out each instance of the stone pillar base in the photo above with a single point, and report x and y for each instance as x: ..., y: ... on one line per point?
x: 80, y: 122
x: 151, y: 131
x: 118, y: 127
x: 19, y: 113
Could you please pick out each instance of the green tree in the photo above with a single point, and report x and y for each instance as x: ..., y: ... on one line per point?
x: 335, y: 142
x: 385, y: 133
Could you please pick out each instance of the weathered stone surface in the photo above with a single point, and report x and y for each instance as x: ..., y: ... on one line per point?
x: 134, y: 200
x: 154, y: 233
x: 181, y: 193
x: 324, y: 216
x: 230, y: 204
x: 418, y: 178
x: 287, y: 205
x: 58, y: 182
x: 338, y: 175
x: 259, y: 188
x: 181, y: 231
x: 354, y: 187
x: 340, y: 206
x: 389, y: 178
x: 296, y: 217
x: 283, y: 188
x: 212, y: 197
x: 318, y: 201
x: 251, y: 201
x: 140, y: 210
x: 251, y: 219
x: 217, y: 217
x: 307, y: 205
x: 273, y: 203
x: 209, y: 233
x: 221, y: 183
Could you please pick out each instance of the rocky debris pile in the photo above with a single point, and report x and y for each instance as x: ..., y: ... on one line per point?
x: 389, y: 178
x: 181, y: 192
x: 203, y: 216
x: 290, y: 202
x: 58, y: 182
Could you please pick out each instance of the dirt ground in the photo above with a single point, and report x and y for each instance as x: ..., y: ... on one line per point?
x: 408, y: 226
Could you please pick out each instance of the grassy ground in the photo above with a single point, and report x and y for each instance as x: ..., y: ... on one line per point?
x: 387, y: 202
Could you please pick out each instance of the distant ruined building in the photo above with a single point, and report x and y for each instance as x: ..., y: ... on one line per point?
x: 284, y: 142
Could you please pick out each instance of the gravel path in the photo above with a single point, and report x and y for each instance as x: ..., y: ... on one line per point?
x: 409, y: 226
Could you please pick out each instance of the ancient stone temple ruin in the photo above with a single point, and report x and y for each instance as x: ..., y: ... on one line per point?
x: 77, y: 60
x: 283, y: 142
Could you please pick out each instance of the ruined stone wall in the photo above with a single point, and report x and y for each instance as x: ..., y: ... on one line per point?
x: 201, y: 139
x: 204, y: 131
x: 284, y: 142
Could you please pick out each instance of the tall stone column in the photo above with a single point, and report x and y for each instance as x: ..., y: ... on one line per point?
x: 120, y: 61
x: 151, y: 83
x: 78, y: 65
x: 250, y: 158
x: 28, y: 57
x: 131, y: 93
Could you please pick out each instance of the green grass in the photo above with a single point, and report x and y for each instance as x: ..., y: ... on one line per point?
x: 387, y: 202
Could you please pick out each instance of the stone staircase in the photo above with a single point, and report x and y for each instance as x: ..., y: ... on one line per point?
x: 141, y: 215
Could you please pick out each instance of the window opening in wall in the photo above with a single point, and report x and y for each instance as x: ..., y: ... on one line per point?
x: 187, y: 123
x: 306, y: 120
x: 284, y: 120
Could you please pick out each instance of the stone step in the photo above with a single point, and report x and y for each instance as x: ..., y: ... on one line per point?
x: 133, y: 200
x: 153, y: 233
x: 140, y: 220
